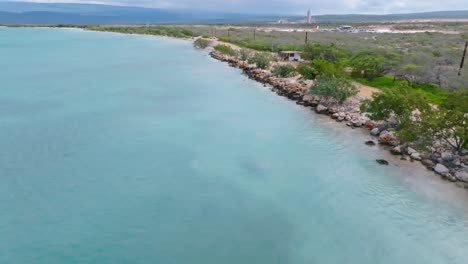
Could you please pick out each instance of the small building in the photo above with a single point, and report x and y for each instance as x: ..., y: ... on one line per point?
x: 345, y: 28
x: 289, y: 56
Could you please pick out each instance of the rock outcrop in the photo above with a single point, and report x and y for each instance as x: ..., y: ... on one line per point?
x: 452, y: 166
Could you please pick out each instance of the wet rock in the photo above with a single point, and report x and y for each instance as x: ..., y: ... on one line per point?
x: 314, y: 103
x: 308, y: 98
x: 388, y: 138
x: 450, y: 177
x: 321, y: 109
x: 375, y: 132
x: 416, y: 156
x: 382, y: 127
x: 335, y: 116
x: 441, y: 169
x: 428, y: 163
x: 462, y: 176
x: 356, y: 123
x: 382, y: 162
x: 411, y: 151
x: 397, y: 150
x: 369, y: 124
x: 370, y: 143
x: 447, y: 157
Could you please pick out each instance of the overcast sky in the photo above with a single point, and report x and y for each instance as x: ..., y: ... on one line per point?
x: 289, y: 6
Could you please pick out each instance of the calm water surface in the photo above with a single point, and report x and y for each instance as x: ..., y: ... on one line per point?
x: 133, y: 149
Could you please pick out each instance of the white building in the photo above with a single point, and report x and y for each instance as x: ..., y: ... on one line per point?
x: 289, y: 55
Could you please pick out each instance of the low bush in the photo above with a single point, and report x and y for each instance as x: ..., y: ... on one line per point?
x: 307, y: 72
x: 225, y: 49
x: 283, y: 71
x: 332, y: 87
x: 261, y: 59
x: 201, y: 43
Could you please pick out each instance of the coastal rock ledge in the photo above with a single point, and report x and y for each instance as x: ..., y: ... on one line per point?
x: 450, y: 165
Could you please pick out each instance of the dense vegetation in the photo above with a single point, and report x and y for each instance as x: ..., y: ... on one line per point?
x: 261, y: 59
x: 226, y: 50
x: 170, y: 31
x: 283, y: 71
x: 418, y: 121
x: 331, y: 87
x: 201, y: 43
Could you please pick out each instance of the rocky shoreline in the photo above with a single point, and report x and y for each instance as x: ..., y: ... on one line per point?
x: 450, y: 166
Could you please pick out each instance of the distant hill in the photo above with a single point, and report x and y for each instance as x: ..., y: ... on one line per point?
x: 57, y: 13
x: 352, y: 18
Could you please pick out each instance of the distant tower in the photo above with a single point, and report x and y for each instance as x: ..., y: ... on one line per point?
x: 309, y: 17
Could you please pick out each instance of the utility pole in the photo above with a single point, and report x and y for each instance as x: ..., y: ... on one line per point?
x: 463, y: 59
x: 307, y: 37
x: 255, y: 32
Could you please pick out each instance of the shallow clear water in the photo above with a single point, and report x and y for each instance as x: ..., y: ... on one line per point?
x: 133, y: 149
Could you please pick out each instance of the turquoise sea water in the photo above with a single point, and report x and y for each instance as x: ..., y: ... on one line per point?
x: 134, y: 149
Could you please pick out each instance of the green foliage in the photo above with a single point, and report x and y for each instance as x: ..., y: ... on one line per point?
x: 283, y: 71
x: 336, y: 88
x: 261, y: 59
x: 171, y: 31
x: 201, y: 43
x: 323, y: 67
x: 457, y: 100
x: 225, y: 49
x: 447, y: 123
x: 449, y: 126
x: 330, y: 52
x: 409, y: 72
x: 373, y: 63
x: 307, y: 72
x: 432, y: 94
x: 244, y: 54
x: 398, y: 103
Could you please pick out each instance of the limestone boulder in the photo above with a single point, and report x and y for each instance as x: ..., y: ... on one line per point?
x: 388, y: 138
x: 321, y: 109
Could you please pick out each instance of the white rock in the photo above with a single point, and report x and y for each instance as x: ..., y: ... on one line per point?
x: 411, y: 151
x: 416, y: 156
x: 441, y: 169
x: 375, y: 131
x: 447, y: 157
x: 321, y: 109
x: 462, y: 176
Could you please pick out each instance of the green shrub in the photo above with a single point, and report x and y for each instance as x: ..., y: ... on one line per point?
x: 330, y: 52
x: 373, y: 63
x: 201, y: 43
x: 446, y: 123
x: 244, y: 54
x: 323, y: 67
x: 306, y: 72
x: 283, y: 71
x: 225, y: 49
x: 261, y: 59
x: 332, y: 87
